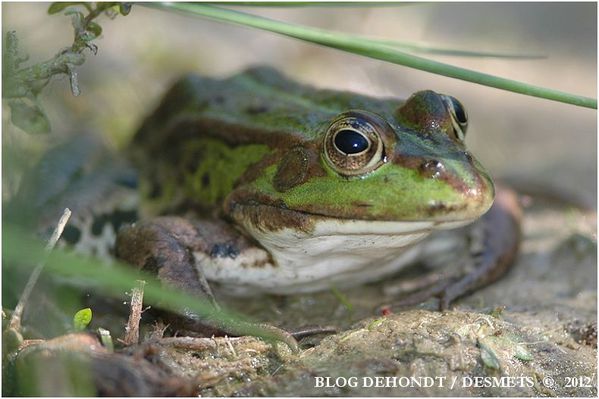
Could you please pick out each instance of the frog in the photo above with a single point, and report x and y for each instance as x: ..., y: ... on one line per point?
x: 261, y: 184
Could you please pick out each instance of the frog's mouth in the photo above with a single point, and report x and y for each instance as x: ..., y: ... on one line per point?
x: 267, y: 218
x: 325, y: 226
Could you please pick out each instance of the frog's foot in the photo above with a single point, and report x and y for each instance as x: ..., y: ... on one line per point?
x: 494, y: 242
x: 500, y: 243
x: 272, y: 333
x: 313, y: 330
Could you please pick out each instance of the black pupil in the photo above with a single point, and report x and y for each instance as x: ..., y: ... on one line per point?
x: 460, y: 114
x: 350, y: 142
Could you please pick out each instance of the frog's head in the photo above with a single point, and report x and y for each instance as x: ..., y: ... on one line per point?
x: 346, y: 200
x: 409, y: 166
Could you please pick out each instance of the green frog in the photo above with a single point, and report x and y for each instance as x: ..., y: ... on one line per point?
x: 262, y: 184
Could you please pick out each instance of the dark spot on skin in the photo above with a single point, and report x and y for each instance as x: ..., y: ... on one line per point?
x: 442, y: 207
x: 256, y: 109
x: 437, y: 206
x: 205, y: 180
x: 71, y: 234
x: 224, y: 250
x: 191, y: 164
x: 98, y: 225
x: 119, y: 218
x: 155, y: 191
x: 151, y: 266
x: 128, y: 180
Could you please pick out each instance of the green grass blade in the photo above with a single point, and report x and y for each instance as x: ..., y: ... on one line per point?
x: 18, y: 248
x: 373, y: 49
x: 295, y: 4
x: 424, y: 48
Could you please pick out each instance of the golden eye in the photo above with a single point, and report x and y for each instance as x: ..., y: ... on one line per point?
x: 459, y: 117
x: 352, y: 144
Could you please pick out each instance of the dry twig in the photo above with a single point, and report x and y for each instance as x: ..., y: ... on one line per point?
x: 132, y: 328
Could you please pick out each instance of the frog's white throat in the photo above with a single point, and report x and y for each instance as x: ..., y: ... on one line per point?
x: 336, y: 252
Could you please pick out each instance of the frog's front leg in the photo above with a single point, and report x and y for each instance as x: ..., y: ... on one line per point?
x: 173, y: 248
x: 167, y: 247
x: 493, y: 243
x: 164, y: 247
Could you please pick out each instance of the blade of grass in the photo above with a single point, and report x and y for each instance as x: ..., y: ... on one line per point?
x: 424, y: 48
x: 349, y: 4
x: 19, y: 248
x: 372, y: 49
x: 421, y: 47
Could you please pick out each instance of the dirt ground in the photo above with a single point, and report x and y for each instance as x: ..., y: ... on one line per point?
x: 536, y: 328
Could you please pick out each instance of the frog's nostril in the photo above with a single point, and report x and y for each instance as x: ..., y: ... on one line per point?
x: 432, y: 168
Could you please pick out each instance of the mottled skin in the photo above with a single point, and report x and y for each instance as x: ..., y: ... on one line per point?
x: 246, y: 157
x: 252, y: 123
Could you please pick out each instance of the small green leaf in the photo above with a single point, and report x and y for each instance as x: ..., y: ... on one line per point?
x: 522, y: 353
x: 76, y: 20
x: 28, y: 116
x: 488, y: 356
x: 95, y: 29
x: 85, y: 37
x: 58, y: 7
x: 82, y: 319
x: 125, y: 8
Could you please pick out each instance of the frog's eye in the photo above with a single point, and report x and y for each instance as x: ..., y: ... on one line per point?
x: 352, y: 144
x: 459, y: 117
